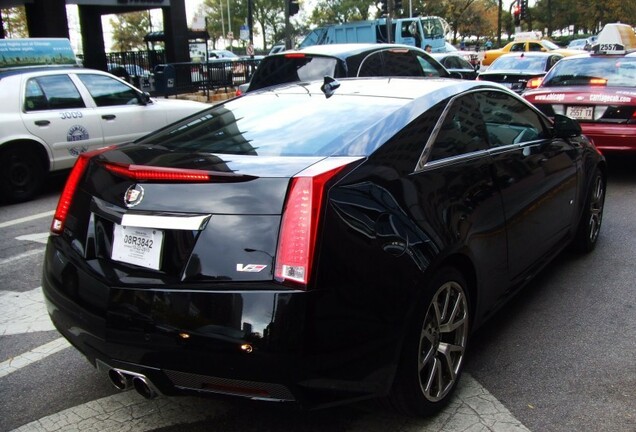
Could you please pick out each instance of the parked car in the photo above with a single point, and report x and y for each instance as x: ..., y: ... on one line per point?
x: 50, y: 115
x: 521, y: 71
x: 598, y: 89
x: 343, y: 60
x: 317, y: 242
x: 457, y: 64
x: 542, y: 45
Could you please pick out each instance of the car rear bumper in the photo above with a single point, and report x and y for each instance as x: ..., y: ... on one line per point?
x: 252, y: 342
x: 611, y: 138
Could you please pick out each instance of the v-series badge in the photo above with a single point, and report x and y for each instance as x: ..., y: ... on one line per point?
x: 250, y: 268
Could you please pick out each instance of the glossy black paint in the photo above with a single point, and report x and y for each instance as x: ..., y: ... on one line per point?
x: 458, y: 64
x: 516, y: 74
x: 417, y: 202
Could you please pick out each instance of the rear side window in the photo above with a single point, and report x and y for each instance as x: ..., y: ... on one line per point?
x: 51, y: 92
x: 294, y: 67
x: 399, y: 62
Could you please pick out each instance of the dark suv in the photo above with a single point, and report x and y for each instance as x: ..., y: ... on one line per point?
x: 343, y: 60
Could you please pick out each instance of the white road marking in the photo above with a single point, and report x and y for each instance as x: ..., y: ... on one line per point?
x: 26, y: 219
x: 23, y: 312
x: 37, y: 354
x: 37, y: 237
x: 472, y: 409
x: 126, y: 411
x: 21, y: 256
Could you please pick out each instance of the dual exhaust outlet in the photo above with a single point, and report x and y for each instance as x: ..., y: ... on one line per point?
x: 123, y: 380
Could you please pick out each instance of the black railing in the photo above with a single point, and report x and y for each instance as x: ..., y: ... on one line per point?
x: 177, y: 78
x: 149, y: 71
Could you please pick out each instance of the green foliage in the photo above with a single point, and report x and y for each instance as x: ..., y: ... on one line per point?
x: 14, y: 22
x: 129, y: 30
x: 340, y: 11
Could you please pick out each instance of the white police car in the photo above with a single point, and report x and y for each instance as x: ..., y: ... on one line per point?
x: 52, y: 111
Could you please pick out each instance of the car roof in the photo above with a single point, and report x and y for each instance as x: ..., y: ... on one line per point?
x: 402, y: 87
x: 531, y: 54
x: 343, y: 51
x: 34, y: 69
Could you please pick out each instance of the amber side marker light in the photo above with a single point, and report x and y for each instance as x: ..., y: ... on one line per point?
x: 534, y: 83
x: 66, y: 199
x: 598, y: 81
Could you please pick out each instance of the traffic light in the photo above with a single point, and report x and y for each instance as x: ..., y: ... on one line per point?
x: 294, y: 7
x: 523, y: 13
x: 516, y: 12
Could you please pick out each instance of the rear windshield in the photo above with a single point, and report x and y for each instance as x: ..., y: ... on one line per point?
x: 609, y: 71
x: 284, y: 69
x: 517, y: 62
x: 280, y: 125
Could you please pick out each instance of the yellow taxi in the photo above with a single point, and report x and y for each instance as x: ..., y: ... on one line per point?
x: 525, y: 43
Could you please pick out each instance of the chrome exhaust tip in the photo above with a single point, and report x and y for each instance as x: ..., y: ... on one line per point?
x: 120, y: 380
x: 143, y: 387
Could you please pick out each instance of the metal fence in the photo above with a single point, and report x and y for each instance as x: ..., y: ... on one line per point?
x: 148, y: 71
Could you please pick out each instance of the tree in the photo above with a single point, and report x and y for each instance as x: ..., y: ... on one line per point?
x: 129, y: 30
x: 340, y: 12
x: 14, y: 22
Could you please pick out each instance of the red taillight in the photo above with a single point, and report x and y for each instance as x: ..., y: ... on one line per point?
x: 64, y: 204
x: 152, y: 173
x: 238, y: 92
x: 295, y: 55
x: 534, y: 83
x: 300, y: 222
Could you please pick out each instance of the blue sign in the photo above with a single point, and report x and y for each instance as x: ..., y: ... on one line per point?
x: 36, y: 52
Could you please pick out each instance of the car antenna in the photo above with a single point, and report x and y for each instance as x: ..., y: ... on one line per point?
x: 329, y: 86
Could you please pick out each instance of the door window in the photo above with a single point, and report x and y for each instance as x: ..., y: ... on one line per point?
x: 50, y: 93
x: 107, y: 91
x: 461, y: 132
x: 508, y: 120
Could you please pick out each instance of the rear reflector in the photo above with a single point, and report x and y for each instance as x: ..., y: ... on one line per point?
x: 301, y: 220
x: 66, y: 199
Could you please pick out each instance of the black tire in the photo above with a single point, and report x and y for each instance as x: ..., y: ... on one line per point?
x: 434, y: 350
x: 590, y: 224
x: 22, y: 174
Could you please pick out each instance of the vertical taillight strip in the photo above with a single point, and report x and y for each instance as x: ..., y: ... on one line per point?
x: 64, y: 204
x: 301, y: 220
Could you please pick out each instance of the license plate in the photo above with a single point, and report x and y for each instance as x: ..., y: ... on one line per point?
x: 580, y: 112
x: 139, y: 246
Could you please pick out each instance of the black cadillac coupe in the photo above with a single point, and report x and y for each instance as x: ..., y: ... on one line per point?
x: 317, y: 242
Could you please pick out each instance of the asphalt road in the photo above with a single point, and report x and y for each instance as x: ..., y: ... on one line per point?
x: 560, y: 357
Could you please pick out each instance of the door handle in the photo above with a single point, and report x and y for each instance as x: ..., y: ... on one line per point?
x: 42, y: 122
x: 109, y: 116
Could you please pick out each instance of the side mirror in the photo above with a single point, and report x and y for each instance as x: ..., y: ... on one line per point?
x: 565, y: 127
x: 457, y: 75
x: 145, y: 98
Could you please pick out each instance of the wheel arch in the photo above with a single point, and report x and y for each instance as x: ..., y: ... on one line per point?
x: 39, y: 150
x: 466, y: 267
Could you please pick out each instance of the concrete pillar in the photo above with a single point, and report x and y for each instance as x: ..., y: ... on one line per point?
x: 92, y: 37
x: 175, y: 26
x: 47, y: 18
